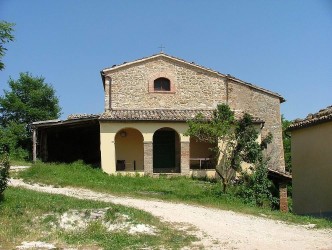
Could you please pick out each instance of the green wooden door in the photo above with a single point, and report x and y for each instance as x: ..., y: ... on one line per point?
x: 163, y: 150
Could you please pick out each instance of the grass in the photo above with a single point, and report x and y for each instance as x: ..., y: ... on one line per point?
x: 20, y: 162
x: 178, y: 189
x: 27, y: 216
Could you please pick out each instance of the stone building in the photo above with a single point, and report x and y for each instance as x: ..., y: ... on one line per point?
x: 312, y: 164
x: 147, y: 105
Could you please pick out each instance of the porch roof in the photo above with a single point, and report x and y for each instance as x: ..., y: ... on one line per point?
x: 180, y: 115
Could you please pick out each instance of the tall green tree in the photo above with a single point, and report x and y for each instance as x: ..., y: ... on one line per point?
x: 29, y: 99
x: 6, y: 30
x: 286, y: 138
x: 235, y: 141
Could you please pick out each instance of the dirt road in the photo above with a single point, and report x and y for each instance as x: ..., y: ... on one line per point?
x: 218, y: 229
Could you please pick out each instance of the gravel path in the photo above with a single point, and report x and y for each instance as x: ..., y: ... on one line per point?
x: 218, y: 229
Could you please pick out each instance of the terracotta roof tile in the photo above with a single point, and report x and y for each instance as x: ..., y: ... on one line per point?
x: 160, y: 115
x: 82, y: 116
x: 324, y: 115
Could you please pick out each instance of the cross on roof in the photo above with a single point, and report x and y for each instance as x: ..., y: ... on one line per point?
x: 161, y: 47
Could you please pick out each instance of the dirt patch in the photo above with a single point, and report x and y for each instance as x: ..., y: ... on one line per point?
x: 76, y: 220
x: 35, y: 245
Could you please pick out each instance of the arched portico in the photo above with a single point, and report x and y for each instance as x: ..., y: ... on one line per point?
x: 201, y: 154
x: 129, y: 150
x: 166, y: 151
x: 112, y: 144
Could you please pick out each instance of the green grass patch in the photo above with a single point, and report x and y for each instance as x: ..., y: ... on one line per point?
x: 178, y: 189
x: 20, y: 162
x: 32, y: 216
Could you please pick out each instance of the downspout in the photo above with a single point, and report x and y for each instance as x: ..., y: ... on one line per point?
x: 226, y: 84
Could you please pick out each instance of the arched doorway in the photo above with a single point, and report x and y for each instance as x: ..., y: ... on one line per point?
x: 166, y: 151
x: 129, y: 150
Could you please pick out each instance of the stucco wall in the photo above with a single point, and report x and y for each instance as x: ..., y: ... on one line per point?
x: 312, y: 169
x: 200, y: 149
x: 130, y: 148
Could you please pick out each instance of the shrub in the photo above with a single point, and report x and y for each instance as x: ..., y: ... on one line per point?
x: 4, y: 171
x: 256, y: 187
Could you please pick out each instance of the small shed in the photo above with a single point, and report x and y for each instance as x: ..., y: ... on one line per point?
x: 77, y: 138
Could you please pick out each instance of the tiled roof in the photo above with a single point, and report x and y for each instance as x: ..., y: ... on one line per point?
x: 71, y: 119
x: 159, y: 115
x: 154, y: 114
x: 280, y: 174
x: 138, y: 115
x: 161, y: 54
x: 324, y: 115
x: 82, y: 116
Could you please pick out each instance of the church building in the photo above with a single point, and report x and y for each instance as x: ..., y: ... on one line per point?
x: 147, y: 105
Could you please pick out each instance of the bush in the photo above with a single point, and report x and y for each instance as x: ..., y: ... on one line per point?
x: 4, y: 171
x: 256, y: 187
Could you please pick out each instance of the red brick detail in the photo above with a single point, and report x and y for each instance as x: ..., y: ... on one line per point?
x: 158, y: 75
x: 283, y: 197
x: 185, y: 154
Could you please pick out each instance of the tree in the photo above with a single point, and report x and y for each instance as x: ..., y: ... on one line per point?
x: 4, y: 171
x: 6, y: 30
x: 286, y: 138
x: 255, y: 187
x: 236, y: 141
x: 29, y: 99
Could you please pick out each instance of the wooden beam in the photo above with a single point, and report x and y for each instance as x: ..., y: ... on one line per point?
x: 34, y: 145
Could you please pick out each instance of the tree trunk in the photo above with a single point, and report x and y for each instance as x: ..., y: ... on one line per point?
x: 223, y: 181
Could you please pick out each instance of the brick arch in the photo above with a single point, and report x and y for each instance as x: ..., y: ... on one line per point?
x: 164, y: 74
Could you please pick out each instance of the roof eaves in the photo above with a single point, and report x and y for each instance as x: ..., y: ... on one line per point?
x: 71, y: 119
x: 324, y: 115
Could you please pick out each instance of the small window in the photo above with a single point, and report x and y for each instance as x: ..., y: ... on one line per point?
x: 162, y: 84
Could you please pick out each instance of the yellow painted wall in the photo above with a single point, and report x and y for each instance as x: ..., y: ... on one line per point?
x: 108, y: 131
x: 130, y: 148
x: 200, y: 149
x: 312, y: 169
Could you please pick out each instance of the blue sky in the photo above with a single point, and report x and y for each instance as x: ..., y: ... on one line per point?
x: 283, y: 46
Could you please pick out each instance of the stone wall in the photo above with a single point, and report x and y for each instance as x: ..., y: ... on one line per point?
x: 193, y: 88
x: 265, y: 107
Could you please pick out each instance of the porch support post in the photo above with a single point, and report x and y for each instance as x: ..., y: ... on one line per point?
x: 34, y: 145
x: 148, y: 157
x: 283, y: 197
x: 107, y: 150
x: 185, y: 154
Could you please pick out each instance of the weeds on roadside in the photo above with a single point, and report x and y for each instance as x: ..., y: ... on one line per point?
x: 31, y: 216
